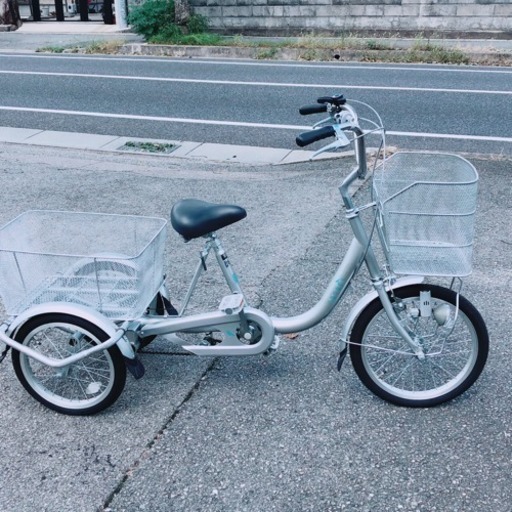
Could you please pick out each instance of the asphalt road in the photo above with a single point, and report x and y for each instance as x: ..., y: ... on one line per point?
x: 253, y: 103
x: 284, y: 433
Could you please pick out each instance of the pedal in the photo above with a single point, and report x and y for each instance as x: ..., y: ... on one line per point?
x: 232, y: 304
x: 341, y: 358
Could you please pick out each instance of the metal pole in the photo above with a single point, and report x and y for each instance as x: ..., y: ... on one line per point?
x: 121, y: 14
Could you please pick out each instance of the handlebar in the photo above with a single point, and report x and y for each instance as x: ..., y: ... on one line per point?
x: 307, y: 138
x: 306, y: 110
x: 342, y: 118
x: 324, y: 104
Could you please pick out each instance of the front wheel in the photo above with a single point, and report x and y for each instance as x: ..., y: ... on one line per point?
x: 84, y: 387
x: 454, y: 340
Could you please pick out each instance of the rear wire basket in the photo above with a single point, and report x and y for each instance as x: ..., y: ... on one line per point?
x: 111, y: 263
x: 427, y: 204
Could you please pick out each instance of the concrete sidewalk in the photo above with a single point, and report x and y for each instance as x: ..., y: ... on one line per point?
x: 171, y: 149
x: 68, y: 27
x: 33, y: 36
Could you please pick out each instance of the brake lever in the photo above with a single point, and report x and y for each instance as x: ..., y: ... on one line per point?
x: 341, y: 141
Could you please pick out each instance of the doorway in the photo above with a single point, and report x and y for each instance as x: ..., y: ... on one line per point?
x: 67, y: 10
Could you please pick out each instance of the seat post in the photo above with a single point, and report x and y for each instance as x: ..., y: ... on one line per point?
x: 223, y: 261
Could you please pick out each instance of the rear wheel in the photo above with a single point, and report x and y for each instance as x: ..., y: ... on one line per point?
x: 85, y: 387
x: 454, y: 340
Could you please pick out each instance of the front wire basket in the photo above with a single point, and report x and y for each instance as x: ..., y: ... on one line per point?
x: 111, y: 263
x: 426, y: 204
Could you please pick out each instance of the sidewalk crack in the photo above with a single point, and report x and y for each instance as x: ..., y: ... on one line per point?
x: 146, y: 452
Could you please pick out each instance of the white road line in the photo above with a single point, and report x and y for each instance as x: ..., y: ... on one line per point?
x: 241, y: 124
x: 154, y: 118
x: 450, y: 136
x: 215, y: 62
x: 258, y: 84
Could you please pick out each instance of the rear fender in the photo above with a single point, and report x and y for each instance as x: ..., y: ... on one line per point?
x: 68, y: 308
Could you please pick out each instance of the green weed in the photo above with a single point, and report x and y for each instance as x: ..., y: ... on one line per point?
x: 51, y: 49
x: 148, y: 147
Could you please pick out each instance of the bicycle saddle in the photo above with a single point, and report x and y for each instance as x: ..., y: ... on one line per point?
x: 193, y: 218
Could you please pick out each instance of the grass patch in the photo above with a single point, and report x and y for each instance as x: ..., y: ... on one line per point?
x: 438, y: 54
x: 420, y: 53
x: 309, y: 54
x: 374, y: 44
x: 105, y: 47
x: 307, y: 43
x: 188, y: 39
x: 51, y: 49
x: 148, y: 147
x: 267, y: 53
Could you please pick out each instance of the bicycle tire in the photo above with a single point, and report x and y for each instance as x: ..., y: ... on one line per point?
x: 83, y: 388
x: 453, y: 360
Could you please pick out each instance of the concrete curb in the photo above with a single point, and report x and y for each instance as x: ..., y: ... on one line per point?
x: 399, y: 55
x: 206, y: 152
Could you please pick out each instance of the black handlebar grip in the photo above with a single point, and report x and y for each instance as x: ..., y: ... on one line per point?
x: 312, y: 136
x: 336, y: 100
x: 306, y: 110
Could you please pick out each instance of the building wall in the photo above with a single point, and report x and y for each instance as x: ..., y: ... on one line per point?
x: 341, y: 16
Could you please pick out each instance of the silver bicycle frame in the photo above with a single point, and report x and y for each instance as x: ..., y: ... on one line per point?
x: 360, y: 250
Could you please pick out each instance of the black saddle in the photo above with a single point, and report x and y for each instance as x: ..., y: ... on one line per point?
x: 193, y: 218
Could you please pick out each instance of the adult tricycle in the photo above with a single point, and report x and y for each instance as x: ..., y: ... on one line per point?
x: 84, y: 291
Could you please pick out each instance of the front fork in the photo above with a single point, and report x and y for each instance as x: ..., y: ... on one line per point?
x: 412, y: 340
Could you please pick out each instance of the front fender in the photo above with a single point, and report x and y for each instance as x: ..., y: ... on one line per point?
x: 369, y: 297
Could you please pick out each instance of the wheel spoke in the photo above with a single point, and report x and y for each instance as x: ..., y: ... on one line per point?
x: 407, y: 366
x: 47, y: 340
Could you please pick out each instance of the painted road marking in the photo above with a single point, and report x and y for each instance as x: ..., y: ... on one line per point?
x: 258, y: 84
x: 240, y: 124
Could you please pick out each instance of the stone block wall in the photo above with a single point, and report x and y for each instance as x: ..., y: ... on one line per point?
x: 291, y: 17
